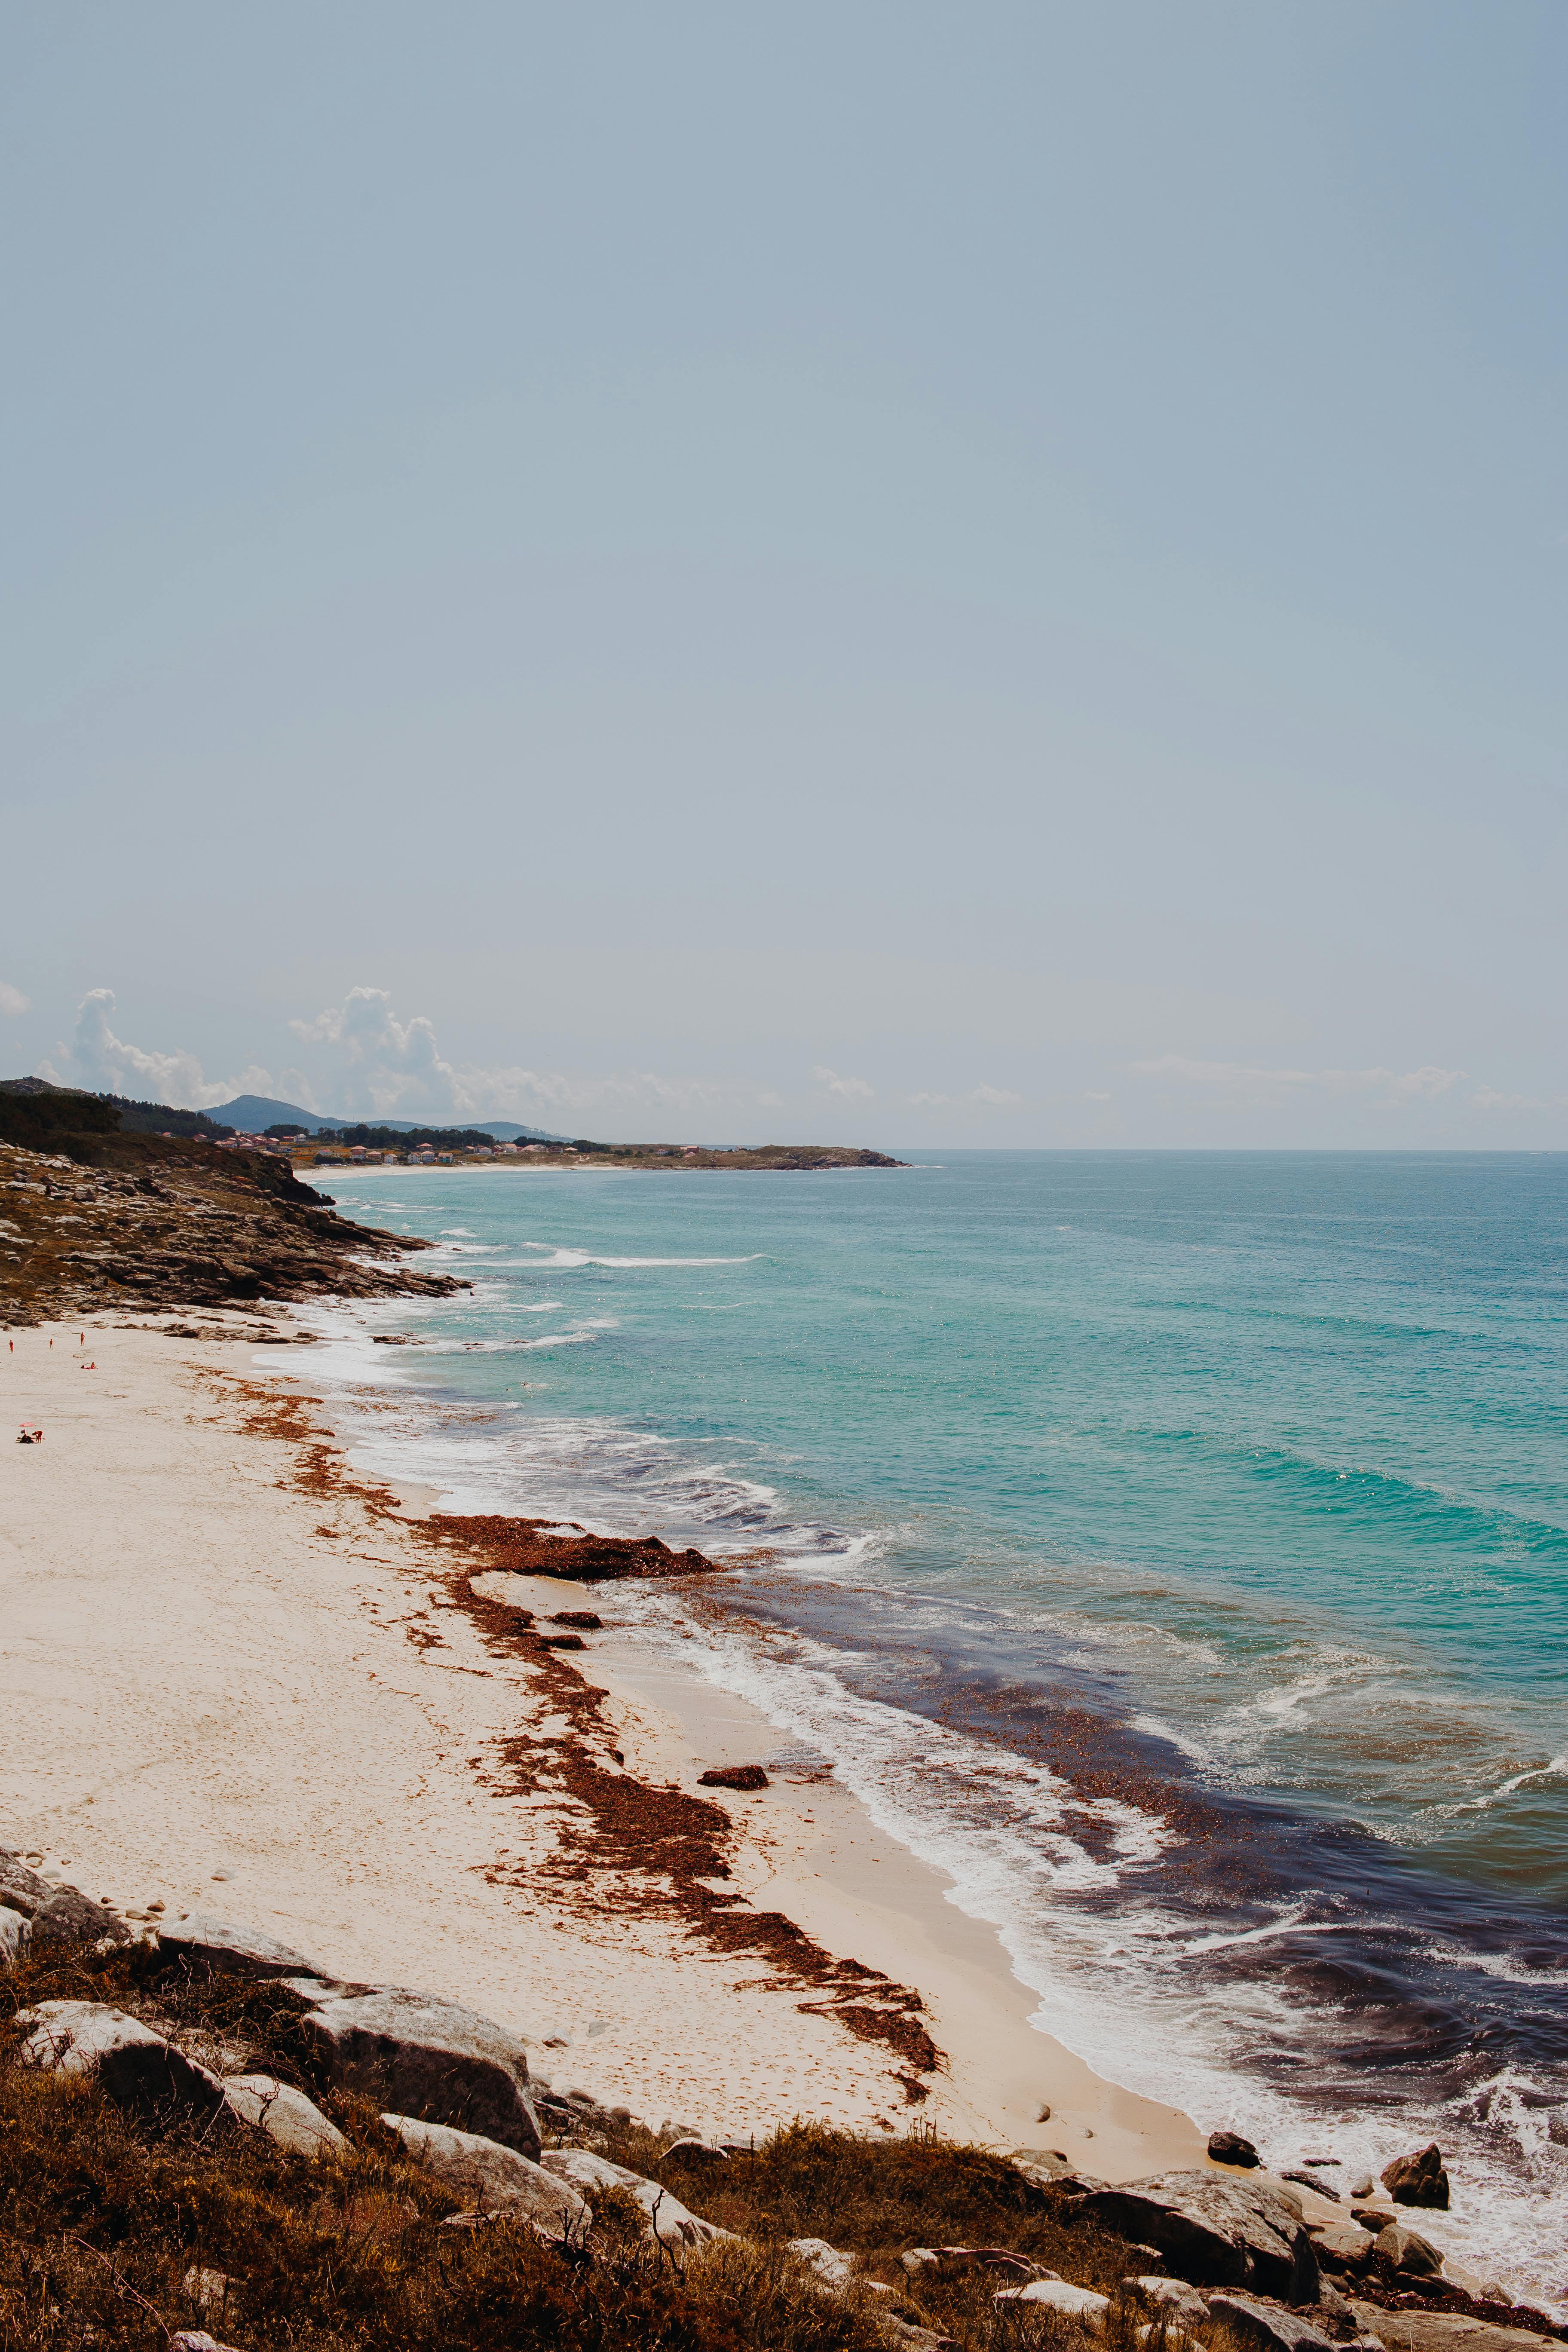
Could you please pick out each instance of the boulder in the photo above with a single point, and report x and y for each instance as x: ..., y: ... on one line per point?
x: 1343, y: 2245
x: 733, y: 1776
x: 832, y: 2267
x: 430, y: 2059
x: 1173, y: 2298
x: 135, y: 2067
x: 195, y: 2339
x: 290, y: 2119
x: 1215, y: 2232
x: 15, y: 1929
x: 1445, y: 2331
x: 1079, y: 2303
x: 223, y: 1949
x: 491, y: 2177
x: 21, y: 1889
x: 69, y: 1917
x: 668, y: 2217
x: 1258, y: 2320
x: 1408, y: 2250
x: 1229, y: 2148
x: 1417, y: 2179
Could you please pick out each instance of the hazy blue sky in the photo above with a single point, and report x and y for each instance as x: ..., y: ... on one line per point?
x: 975, y: 574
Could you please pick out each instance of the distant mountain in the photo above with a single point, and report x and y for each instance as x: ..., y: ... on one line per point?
x: 254, y: 1114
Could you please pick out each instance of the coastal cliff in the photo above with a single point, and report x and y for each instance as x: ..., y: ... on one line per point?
x: 146, y: 1220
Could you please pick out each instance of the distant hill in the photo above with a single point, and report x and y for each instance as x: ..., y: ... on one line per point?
x: 135, y: 1118
x: 254, y: 1114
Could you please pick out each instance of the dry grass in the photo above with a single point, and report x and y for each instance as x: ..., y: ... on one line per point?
x: 104, y: 2217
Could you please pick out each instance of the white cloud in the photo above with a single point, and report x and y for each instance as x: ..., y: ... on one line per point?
x: 1489, y: 1098
x: 12, y: 1002
x: 849, y: 1089
x: 390, y: 1068
x: 1425, y: 1085
x: 927, y: 1102
x: 997, y: 1097
x: 96, y: 1058
x: 1098, y: 1098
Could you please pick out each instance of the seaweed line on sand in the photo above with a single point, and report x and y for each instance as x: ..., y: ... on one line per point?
x: 620, y: 1842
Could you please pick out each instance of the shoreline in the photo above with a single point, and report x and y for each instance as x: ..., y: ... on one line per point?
x: 247, y: 1693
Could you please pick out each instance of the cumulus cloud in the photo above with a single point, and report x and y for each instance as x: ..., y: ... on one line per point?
x: 848, y: 1089
x: 994, y: 1097
x: 105, y: 1064
x: 13, y: 1002
x: 1425, y: 1085
x: 390, y: 1068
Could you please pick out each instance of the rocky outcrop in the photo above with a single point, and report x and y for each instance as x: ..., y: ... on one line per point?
x: 430, y: 2059
x: 136, y: 2067
x: 1213, y: 2232
x: 1417, y: 2179
x: 1443, y: 2331
x: 491, y: 2177
x: 1229, y: 2148
x: 139, y: 1221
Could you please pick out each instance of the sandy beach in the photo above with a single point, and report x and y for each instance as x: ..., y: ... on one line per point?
x: 237, y: 1685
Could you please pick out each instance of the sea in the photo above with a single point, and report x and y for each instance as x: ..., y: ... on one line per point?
x: 1171, y: 1548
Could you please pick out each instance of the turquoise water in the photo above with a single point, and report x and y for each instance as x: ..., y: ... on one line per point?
x: 1227, y: 1490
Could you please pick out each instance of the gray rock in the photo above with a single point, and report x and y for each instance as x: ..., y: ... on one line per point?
x: 288, y: 2117
x: 1259, y: 2321
x: 195, y: 2339
x: 832, y: 2267
x: 227, y: 1950
x: 1445, y: 2331
x: 1343, y: 2245
x: 1214, y: 2231
x: 430, y: 2059
x: 1408, y: 2250
x: 135, y: 2067
x: 15, y: 1929
x: 21, y: 1889
x: 668, y: 2217
x: 1079, y: 2303
x: 1173, y: 2298
x: 69, y: 1917
x: 491, y: 2175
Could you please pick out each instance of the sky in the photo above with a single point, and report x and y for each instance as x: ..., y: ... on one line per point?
x: 878, y: 573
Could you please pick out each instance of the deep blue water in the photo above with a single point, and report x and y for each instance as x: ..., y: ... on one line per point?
x: 1229, y: 1493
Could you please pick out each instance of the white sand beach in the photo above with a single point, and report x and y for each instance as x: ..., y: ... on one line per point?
x: 238, y: 1695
